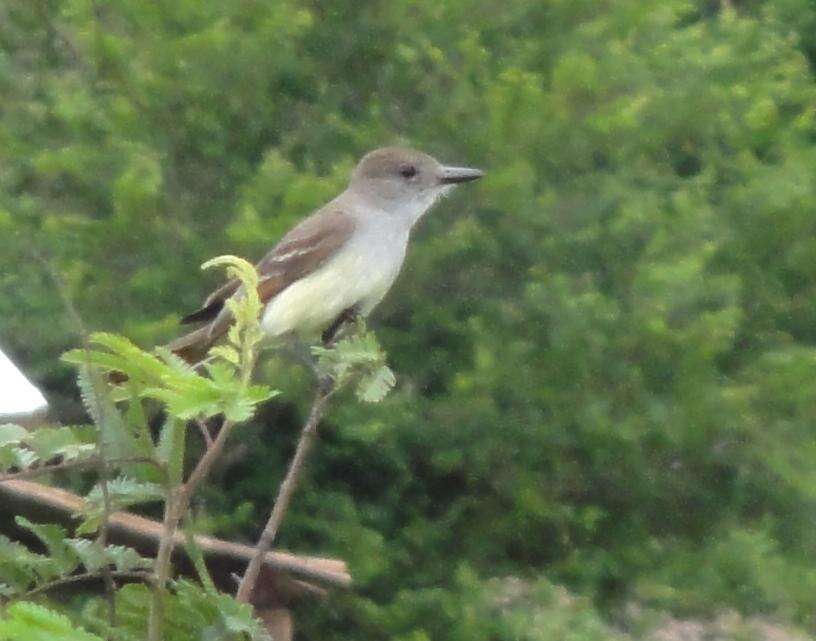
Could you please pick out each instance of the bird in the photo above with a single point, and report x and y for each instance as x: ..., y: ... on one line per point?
x: 339, y: 262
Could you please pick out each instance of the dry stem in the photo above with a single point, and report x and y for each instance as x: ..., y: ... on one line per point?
x: 85, y: 576
x: 178, y: 501
x: 307, y: 437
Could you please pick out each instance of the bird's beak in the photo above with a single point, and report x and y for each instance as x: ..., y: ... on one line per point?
x: 453, y: 175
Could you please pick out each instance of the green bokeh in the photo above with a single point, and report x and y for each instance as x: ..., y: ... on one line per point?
x: 606, y: 349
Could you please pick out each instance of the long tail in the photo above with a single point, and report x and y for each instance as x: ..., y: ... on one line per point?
x: 193, y: 346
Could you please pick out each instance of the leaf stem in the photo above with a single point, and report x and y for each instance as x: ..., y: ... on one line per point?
x: 92, y: 461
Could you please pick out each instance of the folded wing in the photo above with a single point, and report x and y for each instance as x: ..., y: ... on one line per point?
x: 302, y: 251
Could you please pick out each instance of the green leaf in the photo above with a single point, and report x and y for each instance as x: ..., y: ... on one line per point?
x: 104, y: 361
x: 229, y: 354
x: 22, y: 458
x: 26, y: 621
x: 195, y: 554
x: 90, y: 553
x: 176, y: 363
x: 68, y: 442
x: 244, y: 334
x: 190, y: 612
x: 125, y: 558
x: 170, y: 449
x: 358, y: 355
x: 139, y: 365
x: 20, y: 567
x: 227, y: 619
x: 54, y: 538
x: 374, y: 387
x: 94, y: 557
x: 11, y: 434
x: 135, y: 415
x: 126, y: 491
x: 122, y: 493
x: 119, y: 441
x: 222, y: 375
x: 193, y: 400
x: 236, y: 268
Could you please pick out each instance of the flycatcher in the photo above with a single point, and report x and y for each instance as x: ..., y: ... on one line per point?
x: 341, y: 260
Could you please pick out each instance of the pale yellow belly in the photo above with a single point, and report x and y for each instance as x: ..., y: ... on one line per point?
x: 309, y: 305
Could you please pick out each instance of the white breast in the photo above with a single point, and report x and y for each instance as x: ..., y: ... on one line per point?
x: 359, y: 274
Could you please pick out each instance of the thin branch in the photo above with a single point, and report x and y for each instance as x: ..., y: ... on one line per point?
x: 85, y: 576
x: 202, y: 468
x: 287, y: 488
x: 176, y: 507
x: 45, y: 469
x: 179, y: 500
x: 205, y: 432
x: 104, y: 469
x: 104, y: 524
x: 92, y: 461
x: 161, y: 566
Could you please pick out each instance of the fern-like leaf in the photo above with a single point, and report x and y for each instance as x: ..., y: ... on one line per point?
x: 54, y: 537
x: 11, y: 434
x: 359, y: 357
x: 170, y: 449
x: 26, y: 621
x: 374, y: 386
x: 122, y: 493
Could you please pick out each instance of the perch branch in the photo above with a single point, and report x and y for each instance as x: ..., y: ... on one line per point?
x: 287, y: 488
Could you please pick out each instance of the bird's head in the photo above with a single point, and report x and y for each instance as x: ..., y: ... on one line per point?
x: 405, y: 180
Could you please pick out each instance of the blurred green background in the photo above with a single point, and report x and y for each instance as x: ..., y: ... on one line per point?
x: 606, y: 350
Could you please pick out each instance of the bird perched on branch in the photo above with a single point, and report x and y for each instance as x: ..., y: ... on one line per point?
x: 340, y: 261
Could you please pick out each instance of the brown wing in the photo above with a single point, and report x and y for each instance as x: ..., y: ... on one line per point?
x: 303, y: 250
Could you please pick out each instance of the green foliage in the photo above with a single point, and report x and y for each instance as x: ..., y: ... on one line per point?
x: 170, y: 449
x: 22, y: 570
x: 245, y: 334
x: 471, y: 609
x: 126, y: 436
x: 166, y: 378
x: 116, y: 436
x: 605, y: 348
x: 22, y: 449
x: 357, y: 357
x: 741, y: 569
x: 190, y: 613
x: 122, y: 493
x: 34, y: 622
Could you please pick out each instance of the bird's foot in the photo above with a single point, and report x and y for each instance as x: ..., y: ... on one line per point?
x: 347, y: 317
x: 325, y: 384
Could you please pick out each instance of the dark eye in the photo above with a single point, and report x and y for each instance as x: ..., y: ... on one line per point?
x: 408, y: 171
